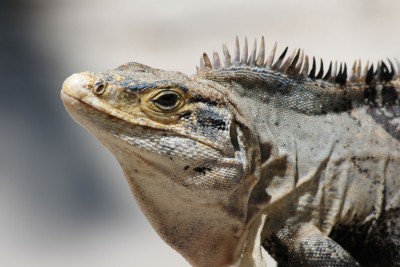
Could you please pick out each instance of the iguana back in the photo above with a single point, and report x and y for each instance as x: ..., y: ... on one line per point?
x: 256, y: 151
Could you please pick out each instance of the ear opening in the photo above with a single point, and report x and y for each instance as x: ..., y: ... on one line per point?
x: 234, y: 136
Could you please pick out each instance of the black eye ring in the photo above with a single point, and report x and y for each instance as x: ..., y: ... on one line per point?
x: 167, y: 100
x: 99, y: 87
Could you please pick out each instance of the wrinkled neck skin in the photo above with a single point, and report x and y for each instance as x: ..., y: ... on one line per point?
x: 198, y: 216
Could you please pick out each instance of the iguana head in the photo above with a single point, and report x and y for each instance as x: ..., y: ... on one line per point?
x: 184, y: 150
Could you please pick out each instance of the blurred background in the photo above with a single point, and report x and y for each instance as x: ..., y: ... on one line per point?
x: 63, y: 198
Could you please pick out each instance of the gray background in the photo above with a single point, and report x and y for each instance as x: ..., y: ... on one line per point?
x: 63, y: 198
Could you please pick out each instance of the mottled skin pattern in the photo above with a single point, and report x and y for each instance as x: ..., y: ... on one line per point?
x: 253, y: 154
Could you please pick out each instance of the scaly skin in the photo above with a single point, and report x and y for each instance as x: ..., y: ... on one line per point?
x: 254, y: 153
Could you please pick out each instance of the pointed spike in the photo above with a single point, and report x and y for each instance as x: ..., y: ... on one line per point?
x: 353, y: 72
x: 313, y: 68
x: 216, y: 60
x: 358, y: 71
x: 392, y: 70
x: 207, y: 62
x: 365, y: 72
x: 398, y: 66
x: 335, y: 70
x: 370, y: 75
x: 389, y: 73
x: 227, y: 56
x: 271, y: 57
x: 339, y: 73
x: 332, y: 77
x: 386, y: 74
x: 338, y: 77
x: 333, y: 74
x: 243, y: 60
x: 299, y: 63
x: 328, y: 73
x: 261, y: 53
x: 344, y: 74
x: 292, y: 68
x: 236, y: 53
x: 383, y: 71
x: 378, y: 71
x: 321, y: 70
x: 304, y: 72
x: 280, y: 59
x: 284, y: 53
x: 285, y: 65
x: 201, y: 66
x: 252, y: 59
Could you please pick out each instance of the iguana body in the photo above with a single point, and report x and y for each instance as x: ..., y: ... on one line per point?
x: 256, y: 152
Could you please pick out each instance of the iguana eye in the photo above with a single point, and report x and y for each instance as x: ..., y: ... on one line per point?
x: 99, y: 87
x: 167, y: 100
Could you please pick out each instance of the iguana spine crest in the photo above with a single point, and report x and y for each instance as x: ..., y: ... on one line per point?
x: 297, y: 65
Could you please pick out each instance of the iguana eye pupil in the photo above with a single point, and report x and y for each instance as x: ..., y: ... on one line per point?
x: 99, y: 87
x: 167, y: 100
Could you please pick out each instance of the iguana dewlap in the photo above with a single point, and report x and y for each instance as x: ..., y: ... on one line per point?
x: 255, y: 151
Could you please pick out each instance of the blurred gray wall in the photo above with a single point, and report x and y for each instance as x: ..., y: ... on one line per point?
x: 63, y: 198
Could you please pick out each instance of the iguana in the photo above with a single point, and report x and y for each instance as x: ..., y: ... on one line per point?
x: 253, y: 151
